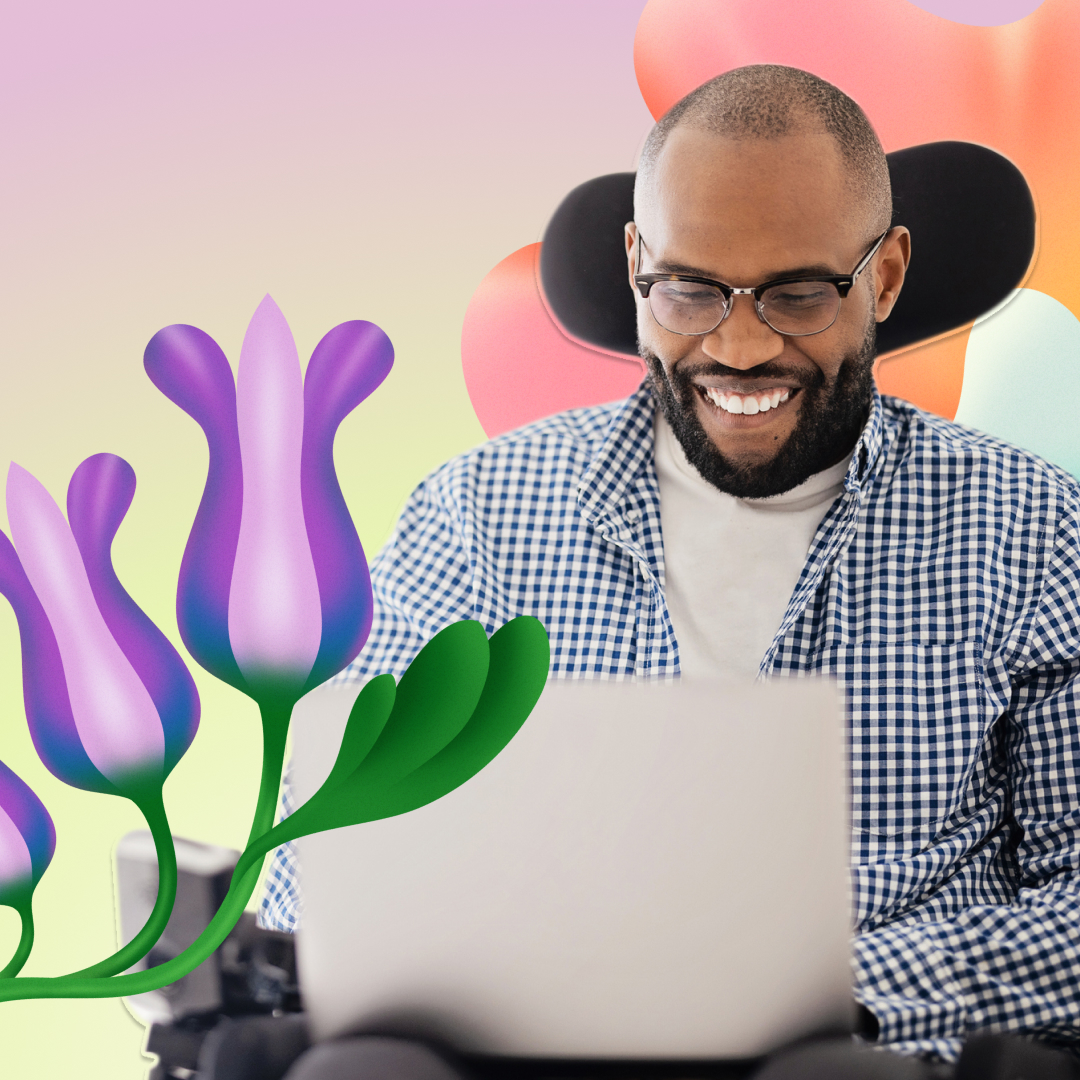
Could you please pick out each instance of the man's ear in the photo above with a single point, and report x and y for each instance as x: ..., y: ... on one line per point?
x: 630, y: 235
x: 892, y: 264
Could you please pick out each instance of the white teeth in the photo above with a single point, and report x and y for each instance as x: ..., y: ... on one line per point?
x: 746, y: 404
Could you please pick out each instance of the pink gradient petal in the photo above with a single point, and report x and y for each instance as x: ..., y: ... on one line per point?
x: 275, y: 618
x: 116, y: 719
x: 16, y: 868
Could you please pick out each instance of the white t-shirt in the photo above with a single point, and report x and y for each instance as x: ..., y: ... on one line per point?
x: 731, y: 565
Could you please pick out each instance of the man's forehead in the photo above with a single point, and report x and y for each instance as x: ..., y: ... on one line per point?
x: 785, y: 196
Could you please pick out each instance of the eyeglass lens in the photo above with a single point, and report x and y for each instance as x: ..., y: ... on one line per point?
x: 686, y: 307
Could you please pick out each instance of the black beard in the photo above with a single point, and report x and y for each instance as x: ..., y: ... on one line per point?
x: 830, y: 420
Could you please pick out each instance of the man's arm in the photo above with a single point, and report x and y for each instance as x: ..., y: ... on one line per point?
x: 1012, y: 967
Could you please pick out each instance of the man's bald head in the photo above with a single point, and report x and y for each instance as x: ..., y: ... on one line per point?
x: 768, y: 101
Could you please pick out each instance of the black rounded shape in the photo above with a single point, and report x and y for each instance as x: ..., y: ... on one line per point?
x: 969, y: 209
x: 972, y: 222
x: 583, y: 263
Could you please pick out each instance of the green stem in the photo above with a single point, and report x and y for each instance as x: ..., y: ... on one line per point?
x: 153, y: 809
x: 254, y: 854
x: 90, y: 983
x: 26, y: 941
x: 275, y: 725
x: 140, y: 982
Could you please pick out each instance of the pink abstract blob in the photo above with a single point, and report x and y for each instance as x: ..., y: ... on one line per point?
x: 519, y: 365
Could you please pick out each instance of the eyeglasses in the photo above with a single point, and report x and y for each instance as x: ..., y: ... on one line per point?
x: 795, y: 307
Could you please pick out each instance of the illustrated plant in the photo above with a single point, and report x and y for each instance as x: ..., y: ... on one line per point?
x: 274, y: 598
x: 27, y: 843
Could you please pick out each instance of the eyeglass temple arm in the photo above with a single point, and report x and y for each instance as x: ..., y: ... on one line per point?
x: 865, y: 261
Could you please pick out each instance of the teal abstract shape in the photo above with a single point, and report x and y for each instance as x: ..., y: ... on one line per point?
x: 1022, y: 377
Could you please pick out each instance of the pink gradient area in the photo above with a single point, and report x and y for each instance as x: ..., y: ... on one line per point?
x: 980, y: 12
x: 519, y: 365
x: 275, y: 618
x: 114, y: 715
x: 16, y: 867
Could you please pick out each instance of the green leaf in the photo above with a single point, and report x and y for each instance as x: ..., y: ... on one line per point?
x: 460, y: 702
x: 520, y: 658
x: 435, y: 698
x: 367, y: 720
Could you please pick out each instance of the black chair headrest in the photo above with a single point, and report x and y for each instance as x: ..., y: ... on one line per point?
x: 969, y: 209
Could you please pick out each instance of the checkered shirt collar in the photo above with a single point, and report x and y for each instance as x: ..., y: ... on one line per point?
x: 627, y: 453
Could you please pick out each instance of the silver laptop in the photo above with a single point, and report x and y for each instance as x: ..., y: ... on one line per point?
x: 644, y: 872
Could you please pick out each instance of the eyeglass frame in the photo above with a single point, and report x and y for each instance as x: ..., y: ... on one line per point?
x: 842, y: 282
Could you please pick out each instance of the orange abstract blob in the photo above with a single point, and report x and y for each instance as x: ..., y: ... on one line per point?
x: 930, y: 375
x: 920, y: 78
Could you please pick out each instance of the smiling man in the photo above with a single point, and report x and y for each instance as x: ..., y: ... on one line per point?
x: 769, y: 261
x: 775, y: 516
x: 768, y: 391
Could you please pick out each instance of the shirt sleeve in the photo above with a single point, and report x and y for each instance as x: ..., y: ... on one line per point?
x: 1013, y: 967
x: 421, y: 581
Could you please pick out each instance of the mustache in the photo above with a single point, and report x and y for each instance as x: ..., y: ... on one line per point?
x: 806, y: 377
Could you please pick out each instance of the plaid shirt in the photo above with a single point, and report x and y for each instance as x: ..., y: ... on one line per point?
x: 942, y: 588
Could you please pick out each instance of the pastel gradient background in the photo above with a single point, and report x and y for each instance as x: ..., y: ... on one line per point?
x: 174, y: 163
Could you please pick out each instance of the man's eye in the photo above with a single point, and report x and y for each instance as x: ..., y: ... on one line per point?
x: 806, y: 295
x: 688, y: 292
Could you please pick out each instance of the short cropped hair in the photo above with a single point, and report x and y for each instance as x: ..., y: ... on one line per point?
x: 765, y: 101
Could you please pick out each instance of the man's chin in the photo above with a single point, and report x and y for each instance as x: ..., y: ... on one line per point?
x: 749, y: 442
x: 747, y: 478
x: 819, y: 434
x: 744, y: 471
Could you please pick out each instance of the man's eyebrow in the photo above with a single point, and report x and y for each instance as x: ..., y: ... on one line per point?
x: 817, y: 270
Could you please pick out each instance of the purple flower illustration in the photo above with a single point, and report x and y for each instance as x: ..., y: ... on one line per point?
x: 27, y: 843
x: 274, y: 595
x: 27, y: 839
x: 110, y: 704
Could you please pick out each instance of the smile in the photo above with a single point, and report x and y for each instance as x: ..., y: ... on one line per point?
x: 747, y: 404
x: 735, y: 403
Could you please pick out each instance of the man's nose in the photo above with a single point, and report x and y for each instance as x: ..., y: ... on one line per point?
x: 743, y: 340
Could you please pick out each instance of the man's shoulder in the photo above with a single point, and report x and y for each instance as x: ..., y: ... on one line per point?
x: 930, y: 444
x: 561, y: 444
x: 583, y: 426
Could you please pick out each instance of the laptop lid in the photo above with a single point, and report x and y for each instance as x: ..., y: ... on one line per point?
x: 646, y: 871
